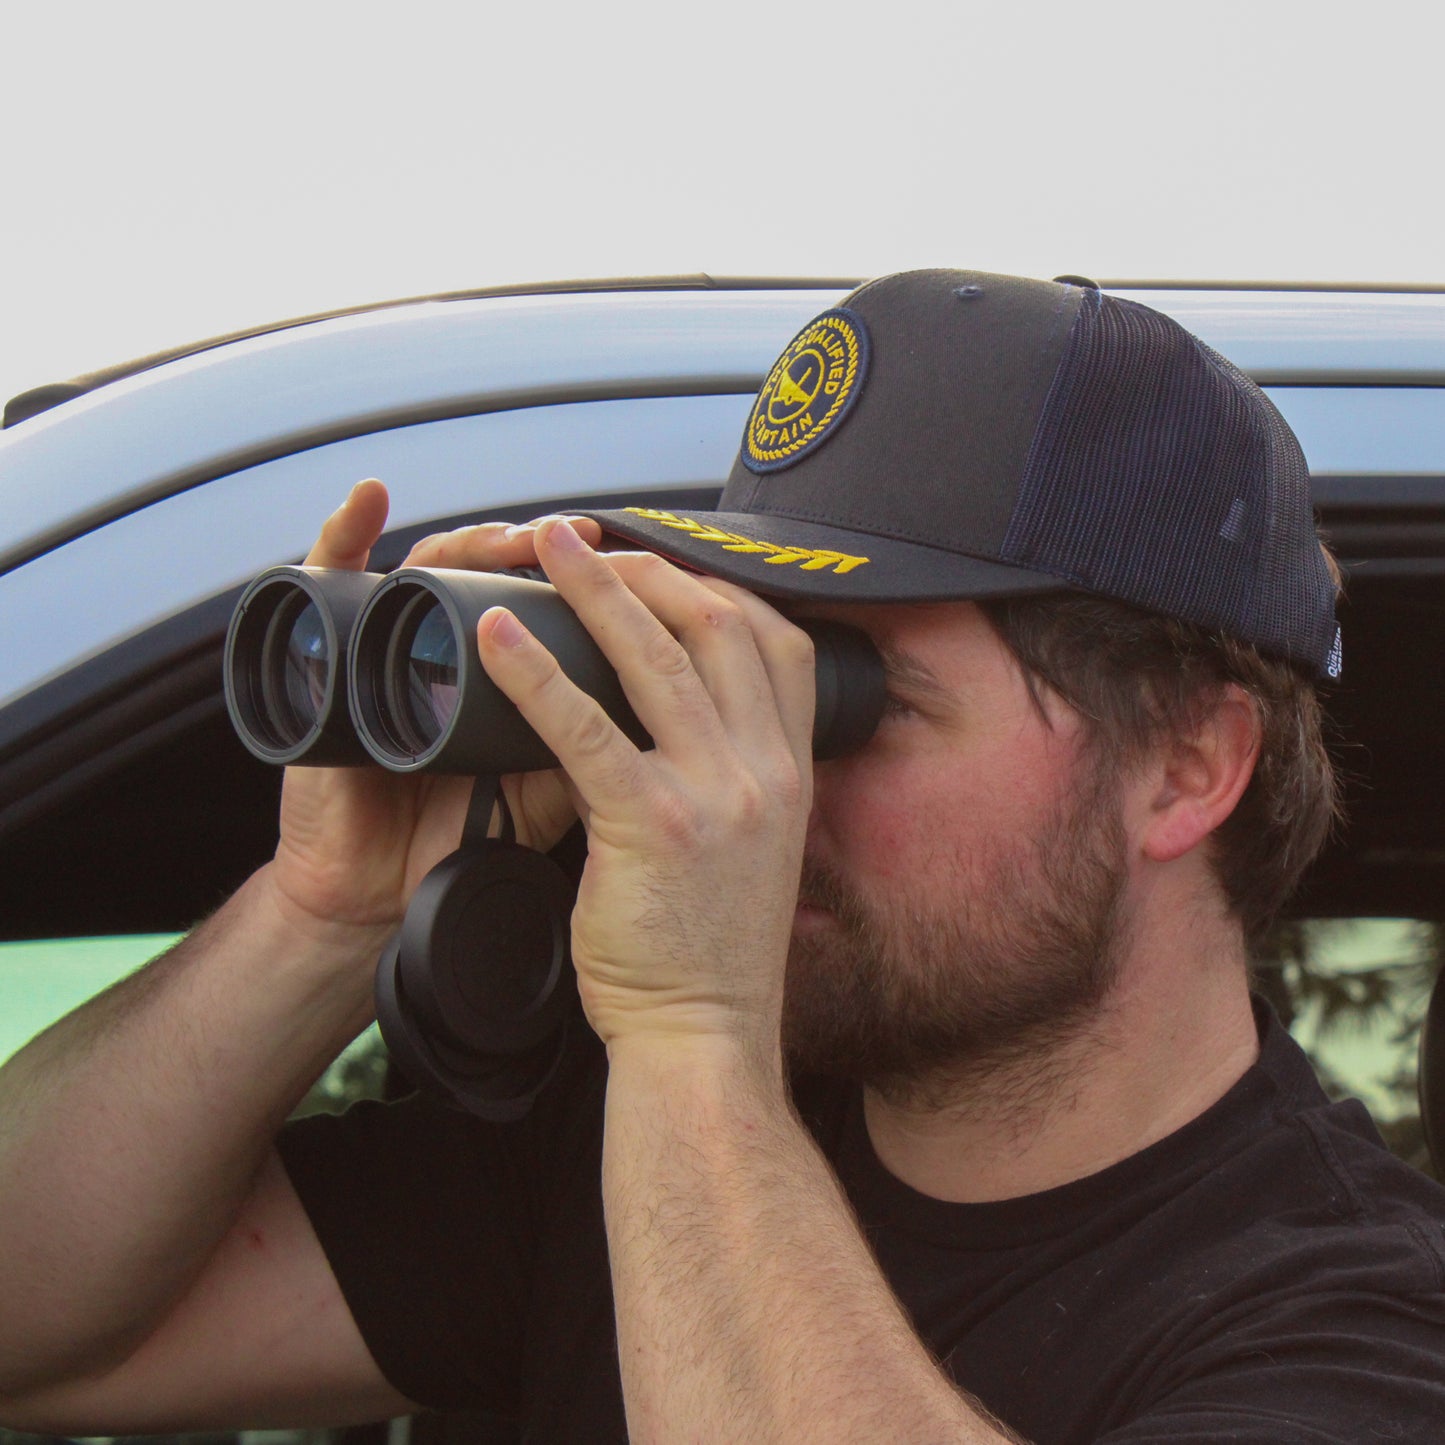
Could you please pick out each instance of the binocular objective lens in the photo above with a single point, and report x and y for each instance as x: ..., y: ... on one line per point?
x: 431, y: 675
x: 307, y: 662
x: 296, y: 663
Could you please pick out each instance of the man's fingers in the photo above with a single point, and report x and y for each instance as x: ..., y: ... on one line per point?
x: 490, y: 546
x: 600, y: 760
x: 756, y: 665
x: 788, y: 657
x: 467, y: 548
x: 348, y: 534
x: 655, y: 668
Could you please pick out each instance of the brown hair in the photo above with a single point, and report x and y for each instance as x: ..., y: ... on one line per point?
x: 1135, y: 677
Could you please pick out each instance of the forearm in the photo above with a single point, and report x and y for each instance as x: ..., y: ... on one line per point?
x: 131, y: 1131
x: 748, y: 1305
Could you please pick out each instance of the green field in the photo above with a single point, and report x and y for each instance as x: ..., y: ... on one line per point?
x: 41, y: 981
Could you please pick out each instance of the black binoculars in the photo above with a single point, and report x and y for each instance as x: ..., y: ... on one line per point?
x: 334, y: 668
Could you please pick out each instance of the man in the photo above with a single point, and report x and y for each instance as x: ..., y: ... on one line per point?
x: 1039, y: 1172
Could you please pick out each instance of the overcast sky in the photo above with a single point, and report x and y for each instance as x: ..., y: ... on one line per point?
x: 172, y: 171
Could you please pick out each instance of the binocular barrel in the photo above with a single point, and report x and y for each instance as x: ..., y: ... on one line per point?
x: 333, y: 668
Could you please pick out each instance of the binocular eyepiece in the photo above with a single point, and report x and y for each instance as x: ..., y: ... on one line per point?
x: 334, y: 668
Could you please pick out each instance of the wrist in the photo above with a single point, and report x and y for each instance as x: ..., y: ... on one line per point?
x: 274, y: 907
x: 694, y: 1064
x: 330, y: 958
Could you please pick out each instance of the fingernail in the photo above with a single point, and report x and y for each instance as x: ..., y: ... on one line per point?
x: 505, y: 628
x: 563, y: 536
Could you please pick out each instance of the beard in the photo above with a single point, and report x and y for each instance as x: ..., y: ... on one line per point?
x: 928, y: 1002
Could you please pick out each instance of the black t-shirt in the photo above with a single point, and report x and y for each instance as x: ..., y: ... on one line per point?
x: 1269, y: 1274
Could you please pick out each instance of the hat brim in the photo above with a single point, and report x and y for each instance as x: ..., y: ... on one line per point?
x: 781, y: 557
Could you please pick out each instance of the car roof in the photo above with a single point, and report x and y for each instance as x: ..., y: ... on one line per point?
x: 152, y: 428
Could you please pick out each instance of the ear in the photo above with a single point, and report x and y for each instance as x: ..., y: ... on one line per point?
x: 1202, y: 777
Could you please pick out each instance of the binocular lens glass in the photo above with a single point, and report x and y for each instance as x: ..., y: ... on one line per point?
x: 306, y: 662
x: 295, y: 665
x: 431, y: 675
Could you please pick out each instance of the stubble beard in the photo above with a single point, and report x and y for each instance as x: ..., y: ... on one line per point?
x: 987, y: 995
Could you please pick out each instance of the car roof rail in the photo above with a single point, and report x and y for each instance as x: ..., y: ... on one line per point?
x: 40, y: 399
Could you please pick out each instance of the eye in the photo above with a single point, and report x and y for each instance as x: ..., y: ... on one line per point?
x: 896, y: 706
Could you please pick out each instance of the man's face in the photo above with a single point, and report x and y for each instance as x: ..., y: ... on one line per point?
x: 961, y: 888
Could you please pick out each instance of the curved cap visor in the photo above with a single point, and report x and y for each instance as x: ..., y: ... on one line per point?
x: 780, y: 557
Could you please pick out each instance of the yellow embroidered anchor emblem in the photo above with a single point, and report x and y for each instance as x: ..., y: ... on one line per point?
x: 808, y: 391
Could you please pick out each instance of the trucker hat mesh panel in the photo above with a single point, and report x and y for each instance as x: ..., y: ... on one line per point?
x: 1148, y: 473
x: 1295, y: 596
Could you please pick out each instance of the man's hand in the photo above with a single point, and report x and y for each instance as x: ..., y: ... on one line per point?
x: 355, y: 842
x: 694, y: 848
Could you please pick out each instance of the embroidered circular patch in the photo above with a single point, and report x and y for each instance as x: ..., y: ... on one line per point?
x: 808, y: 391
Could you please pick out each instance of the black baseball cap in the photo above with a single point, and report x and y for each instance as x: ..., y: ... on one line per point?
x: 950, y: 435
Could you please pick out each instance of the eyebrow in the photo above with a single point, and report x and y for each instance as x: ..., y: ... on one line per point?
x: 917, y: 679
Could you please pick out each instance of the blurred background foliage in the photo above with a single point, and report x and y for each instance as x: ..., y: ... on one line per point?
x: 1354, y: 991
x: 358, y: 1072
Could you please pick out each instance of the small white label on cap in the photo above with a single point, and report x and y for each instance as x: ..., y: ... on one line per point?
x: 1335, y: 662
